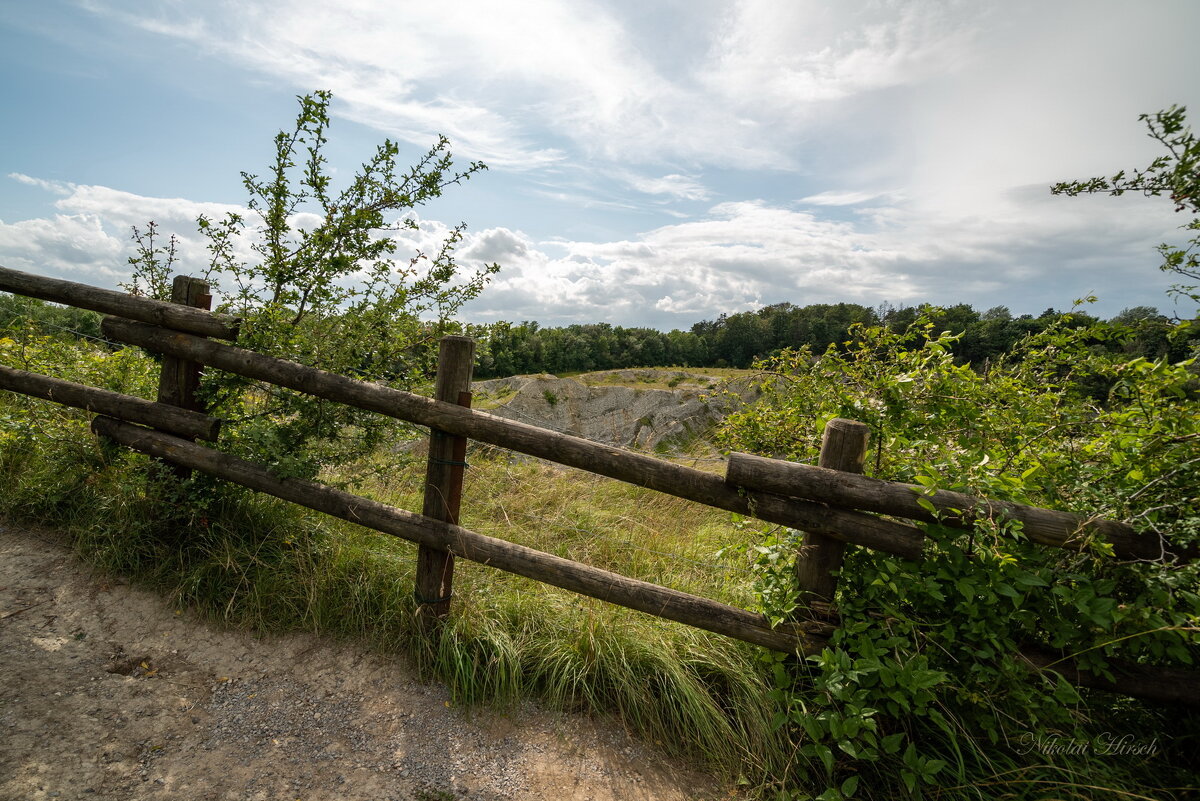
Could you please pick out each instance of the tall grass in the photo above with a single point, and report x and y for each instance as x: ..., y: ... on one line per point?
x: 251, y: 561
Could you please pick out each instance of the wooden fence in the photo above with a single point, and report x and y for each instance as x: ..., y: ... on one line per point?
x: 832, y: 503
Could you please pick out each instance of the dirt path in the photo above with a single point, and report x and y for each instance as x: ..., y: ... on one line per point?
x: 108, y: 693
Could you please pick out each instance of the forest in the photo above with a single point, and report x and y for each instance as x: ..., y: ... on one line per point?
x: 737, y: 340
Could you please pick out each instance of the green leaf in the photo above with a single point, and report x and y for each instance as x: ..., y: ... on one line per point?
x: 825, y: 753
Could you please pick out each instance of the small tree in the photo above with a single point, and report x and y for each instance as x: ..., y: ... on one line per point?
x: 324, y: 288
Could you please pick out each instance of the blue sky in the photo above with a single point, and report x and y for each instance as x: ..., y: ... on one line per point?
x: 651, y: 163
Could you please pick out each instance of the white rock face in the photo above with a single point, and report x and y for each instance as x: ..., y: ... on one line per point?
x: 616, y: 415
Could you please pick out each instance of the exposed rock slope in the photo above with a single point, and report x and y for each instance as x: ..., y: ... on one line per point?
x: 629, y: 416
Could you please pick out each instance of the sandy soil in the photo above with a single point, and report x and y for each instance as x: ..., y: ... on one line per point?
x: 106, y: 692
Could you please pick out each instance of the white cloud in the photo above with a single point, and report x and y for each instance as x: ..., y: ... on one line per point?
x: 125, y: 209
x: 524, y: 85
x: 1033, y: 251
x: 793, y: 54
x: 1041, y: 251
x: 475, y: 71
x: 55, y: 187
x: 583, y: 199
x: 962, y: 112
x: 74, y: 246
x: 834, y: 198
x: 937, y: 93
x: 1050, y: 92
x: 495, y: 245
x: 679, y: 187
x: 91, y: 240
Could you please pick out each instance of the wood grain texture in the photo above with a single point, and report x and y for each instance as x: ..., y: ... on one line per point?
x: 1045, y: 526
x: 107, y: 301
x: 843, y: 448
x: 444, y: 476
x: 114, y: 404
x: 1163, y: 685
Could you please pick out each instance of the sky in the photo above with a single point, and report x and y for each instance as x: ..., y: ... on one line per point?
x: 650, y: 163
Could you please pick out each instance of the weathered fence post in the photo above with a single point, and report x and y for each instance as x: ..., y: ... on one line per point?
x: 444, y: 477
x: 843, y: 447
x: 179, y: 379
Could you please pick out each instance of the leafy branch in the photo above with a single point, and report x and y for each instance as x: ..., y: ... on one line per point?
x: 1176, y: 175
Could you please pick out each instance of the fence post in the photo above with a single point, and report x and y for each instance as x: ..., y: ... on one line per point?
x: 444, y: 477
x: 843, y: 447
x: 179, y: 379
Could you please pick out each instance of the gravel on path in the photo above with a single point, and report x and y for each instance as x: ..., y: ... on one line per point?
x: 107, y: 692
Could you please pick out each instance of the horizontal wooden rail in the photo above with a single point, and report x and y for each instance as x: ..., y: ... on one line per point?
x: 1163, y: 685
x: 611, y: 587
x: 618, y: 463
x: 107, y: 301
x: 1046, y: 526
x: 114, y: 404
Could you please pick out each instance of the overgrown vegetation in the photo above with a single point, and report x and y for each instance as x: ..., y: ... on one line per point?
x: 923, y: 683
x: 920, y: 693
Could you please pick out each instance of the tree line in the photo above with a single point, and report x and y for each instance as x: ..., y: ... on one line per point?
x: 737, y: 340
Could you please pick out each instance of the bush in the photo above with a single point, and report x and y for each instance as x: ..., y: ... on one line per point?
x: 922, y: 687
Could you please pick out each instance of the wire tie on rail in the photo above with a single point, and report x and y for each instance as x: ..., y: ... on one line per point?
x: 450, y: 462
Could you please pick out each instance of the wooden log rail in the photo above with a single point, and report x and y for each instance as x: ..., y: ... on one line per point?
x: 107, y: 301
x: 634, y: 468
x: 591, y: 581
x: 183, y: 422
x: 1163, y: 685
x: 1045, y: 526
